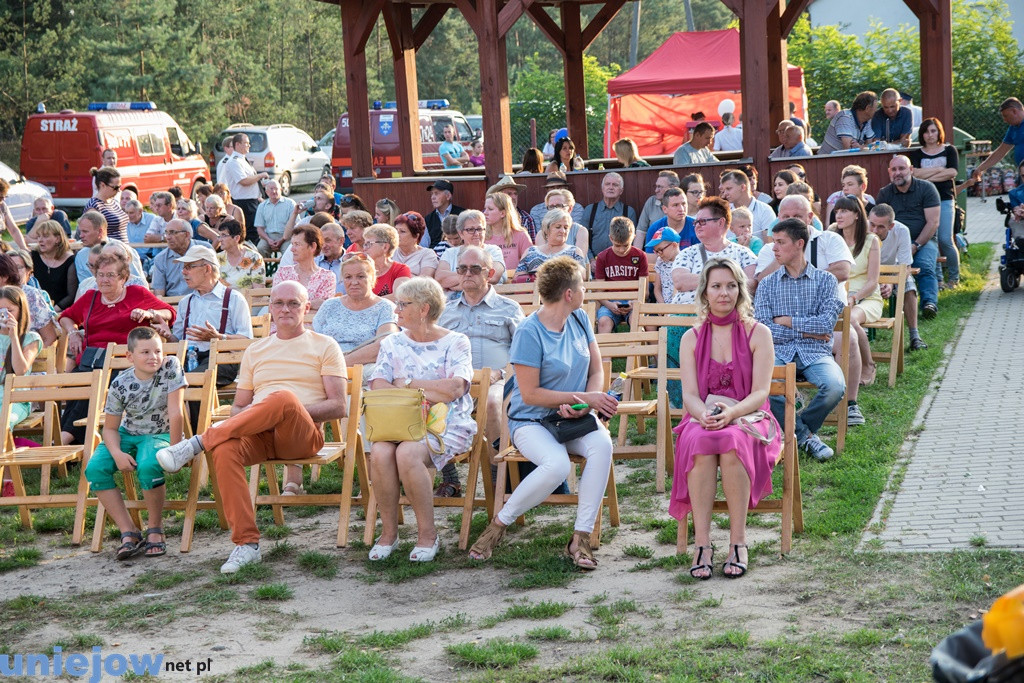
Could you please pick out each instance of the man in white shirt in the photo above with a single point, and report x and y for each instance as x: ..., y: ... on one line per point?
x: 730, y: 138
x: 711, y: 224
x: 896, y: 251
x: 825, y: 250
x: 272, y: 219
x: 734, y: 187
x: 243, y: 182
x: 162, y: 204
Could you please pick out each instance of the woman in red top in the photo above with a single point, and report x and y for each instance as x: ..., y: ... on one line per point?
x: 106, y: 314
x: 379, y: 243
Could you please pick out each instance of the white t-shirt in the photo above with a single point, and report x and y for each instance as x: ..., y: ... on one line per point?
x: 831, y: 249
x: 693, y: 260
x: 729, y: 139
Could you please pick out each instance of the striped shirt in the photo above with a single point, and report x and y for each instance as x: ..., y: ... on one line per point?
x: 810, y: 299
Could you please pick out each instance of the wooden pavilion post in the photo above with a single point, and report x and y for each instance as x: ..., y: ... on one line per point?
x: 398, y: 21
x: 358, y: 18
x: 764, y: 75
x: 575, y: 88
x: 936, y: 21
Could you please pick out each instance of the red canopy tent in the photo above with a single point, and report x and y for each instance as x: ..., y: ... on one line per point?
x: 652, y: 102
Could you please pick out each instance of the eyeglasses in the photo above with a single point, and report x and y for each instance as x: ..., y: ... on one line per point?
x: 399, y: 304
x: 113, y: 187
x: 695, y: 193
x: 552, y: 207
x: 701, y: 222
x: 177, y: 232
x: 292, y: 305
x: 193, y: 264
x: 463, y: 269
x: 472, y: 230
x: 660, y: 249
x: 370, y: 243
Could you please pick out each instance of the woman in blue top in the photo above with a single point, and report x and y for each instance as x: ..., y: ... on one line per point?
x: 557, y: 365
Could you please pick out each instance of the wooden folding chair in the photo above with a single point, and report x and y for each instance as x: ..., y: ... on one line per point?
x: 45, y: 422
x: 202, y: 390
x: 347, y: 453
x: 226, y: 352
x: 474, y: 456
x: 838, y: 416
x: 172, y: 300
x: 257, y: 298
x: 596, y: 291
x: 897, y: 277
x: 510, y: 455
x: 635, y: 348
x: 261, y: 326
x: 56, y: 388
x: 523, y: 293
x: 791, y: 502
x: 661, y: 317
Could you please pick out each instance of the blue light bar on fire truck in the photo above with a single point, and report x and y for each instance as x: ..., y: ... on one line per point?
x: 121, y: 106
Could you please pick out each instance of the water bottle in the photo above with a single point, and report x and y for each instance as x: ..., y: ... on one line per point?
x: 562, y: 168
x: 618, y: 386
x: 191, y: 358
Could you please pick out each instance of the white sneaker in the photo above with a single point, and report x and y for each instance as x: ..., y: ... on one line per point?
x: 173, y: 458
x: 239, y: 557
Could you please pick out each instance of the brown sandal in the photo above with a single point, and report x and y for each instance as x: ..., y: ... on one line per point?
x: 487, y: 541
x: 583, y: 552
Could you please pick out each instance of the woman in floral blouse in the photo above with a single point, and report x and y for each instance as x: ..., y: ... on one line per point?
x: 321, y: 284
x: 241, y: 267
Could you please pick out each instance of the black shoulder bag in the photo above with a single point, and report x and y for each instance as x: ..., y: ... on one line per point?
x: 92, y: 356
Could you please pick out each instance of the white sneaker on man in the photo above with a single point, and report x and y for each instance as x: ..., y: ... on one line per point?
x: 239, y: 557
x: 173, y: 458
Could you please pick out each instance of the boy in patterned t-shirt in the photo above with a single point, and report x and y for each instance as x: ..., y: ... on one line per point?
x: 143, y: 414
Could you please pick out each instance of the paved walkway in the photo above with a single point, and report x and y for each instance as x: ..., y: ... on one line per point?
x: 965, y: 471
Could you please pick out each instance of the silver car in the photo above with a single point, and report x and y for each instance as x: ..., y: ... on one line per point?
x: 285, y: 152
x: 22, y: 195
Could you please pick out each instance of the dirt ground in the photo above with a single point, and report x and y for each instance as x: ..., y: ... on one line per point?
x: 765, y: 602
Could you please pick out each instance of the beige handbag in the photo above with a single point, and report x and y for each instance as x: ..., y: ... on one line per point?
x: 403, y: 415
x: 743, y: 421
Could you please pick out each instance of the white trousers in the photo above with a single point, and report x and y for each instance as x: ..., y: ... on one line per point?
x: 552, y: 461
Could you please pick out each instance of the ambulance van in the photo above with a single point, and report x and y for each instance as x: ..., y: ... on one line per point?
x: 153, y: 152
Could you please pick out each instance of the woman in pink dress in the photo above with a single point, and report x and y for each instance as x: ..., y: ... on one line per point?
x: 727, y: 354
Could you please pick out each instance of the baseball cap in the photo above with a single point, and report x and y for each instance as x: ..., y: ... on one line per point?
x: 666, y: 234
x: 441, y: 185
x: 198, y: 252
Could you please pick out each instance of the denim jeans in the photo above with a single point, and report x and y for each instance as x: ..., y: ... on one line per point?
x: 947, y: 246
x: 825, y: 374
x: 927, y: 279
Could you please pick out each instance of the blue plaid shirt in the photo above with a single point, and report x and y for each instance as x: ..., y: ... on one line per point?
x: 810, y: 299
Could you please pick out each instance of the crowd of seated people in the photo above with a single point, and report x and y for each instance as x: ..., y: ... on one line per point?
x: 413, y: 298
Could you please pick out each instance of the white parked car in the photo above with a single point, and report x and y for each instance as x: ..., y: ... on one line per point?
x: 22, y: 195
x: 326, y: 143
x: 285, y: 152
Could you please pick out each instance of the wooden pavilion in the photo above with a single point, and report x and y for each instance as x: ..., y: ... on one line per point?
x: 764, y: 27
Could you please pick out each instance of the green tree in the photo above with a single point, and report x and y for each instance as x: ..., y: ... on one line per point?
x: 539, y: 93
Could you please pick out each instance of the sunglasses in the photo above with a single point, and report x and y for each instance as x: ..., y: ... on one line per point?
x: 463, y: 269
x: 113, y: 187
x: 354, y: 256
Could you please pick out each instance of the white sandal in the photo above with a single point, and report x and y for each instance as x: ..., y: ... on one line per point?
x: 423, y: 554
x: 382, y: 552
x: 293, y: 489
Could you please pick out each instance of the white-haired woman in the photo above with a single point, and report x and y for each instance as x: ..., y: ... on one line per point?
x: 438, y: 361
x: 553, y: 241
